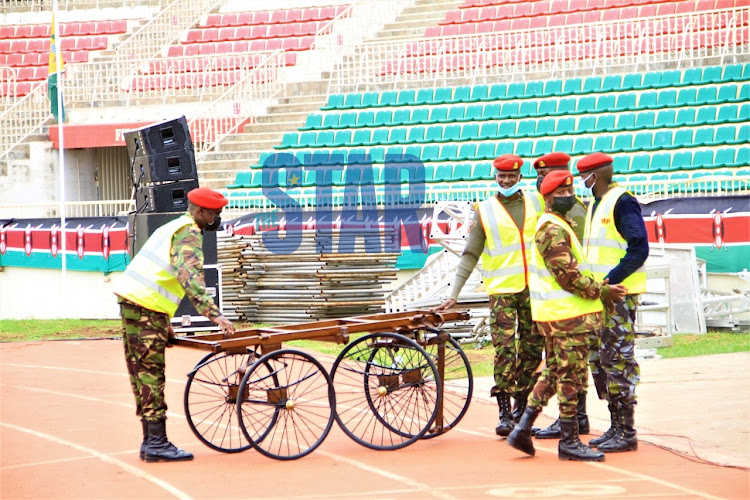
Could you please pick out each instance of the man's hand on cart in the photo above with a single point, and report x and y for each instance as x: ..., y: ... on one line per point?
x: 226, y: 326
x: 170, y: 336
x: 448, y: 304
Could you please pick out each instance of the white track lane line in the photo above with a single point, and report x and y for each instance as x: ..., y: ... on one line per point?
x: 80, y: 370
x: 135, y: 471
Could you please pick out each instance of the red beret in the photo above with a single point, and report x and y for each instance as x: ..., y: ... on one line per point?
x: 553, y: 159
x: 593, y: 161
x: 207, y: 198
x: 554, y: 180
x: 507, y: 163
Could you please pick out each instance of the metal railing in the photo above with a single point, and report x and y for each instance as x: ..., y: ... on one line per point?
x: 599, y: 47
x: 23, y: 118
x: 8, y: 89
x: 46, y: 5
x: 72, y: 209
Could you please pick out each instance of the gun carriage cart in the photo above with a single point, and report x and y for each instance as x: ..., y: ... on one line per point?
x: 404, y: 380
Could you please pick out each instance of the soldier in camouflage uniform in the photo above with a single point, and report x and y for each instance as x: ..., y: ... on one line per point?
x: 500, y: 235
x: 148, y: 294
x: 552, y: 162
x: 616, y: 245
x: 566, y: 306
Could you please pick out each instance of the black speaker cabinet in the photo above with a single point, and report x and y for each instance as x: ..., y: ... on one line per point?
x: 164, y: 137
x: 165, y: 167
x: 187, y: 319
x: 141, y: 226
x: 168, y: 197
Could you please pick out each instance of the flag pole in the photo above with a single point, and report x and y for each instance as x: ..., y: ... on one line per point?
x: 61, y: 136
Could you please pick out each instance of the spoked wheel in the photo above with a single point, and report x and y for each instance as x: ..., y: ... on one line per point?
x: 458, y: 386
x: 211, y: 396
x: 286, y: 404
x: 387, y: 389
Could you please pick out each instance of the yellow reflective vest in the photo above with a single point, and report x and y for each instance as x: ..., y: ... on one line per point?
x: 504, y: 256
x: 549, y: 301
x: 604, y: 246
x: 150, y: 280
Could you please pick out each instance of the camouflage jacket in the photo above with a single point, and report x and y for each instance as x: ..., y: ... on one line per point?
x: 553, y: 243
x: 186, y: 258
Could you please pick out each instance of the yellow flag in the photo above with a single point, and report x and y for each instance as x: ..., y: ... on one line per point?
x: 54, y: 52
x: 52, y: 76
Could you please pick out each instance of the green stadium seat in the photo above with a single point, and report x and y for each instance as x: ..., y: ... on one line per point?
x: 724, y: 157
x: 448, y: 152
x: 348, y: 120
x: 683, y: 138
x: 665, y: 118
x: 586, y: 125
x: 335, y: 101
x: 564, y: 145
x: 712, y: 74
x: 462, y: 94
x: 242, y: 179
x: 692, y: 76
x: 432, y: 134
x: 369, y: 99
x: 438, y: 115
x: 732, y: 73
x: 388, y: 98
x: 394, y: 154
x: 509, y: 110
x: 622, y: 142
x: 703, y: 158
x: 611, y: 83
x: 342, y: 138
x: 307, y: 139
x: 606, y: 103
x: 685, y: 117
x: 547, y: 107
x: 406, y: 98
x: 401, y: 117
x: 290, y: 140
x: 377, y: 155
x: 591, y: 84
x: 744, y: 95
x: 488, y: 131
x: 727, y: 113
x: 544, y: 128
x: 676, y: 181
x: 706, y: 95
x: 632, y: 81
x: 491, y: 112
x: 603, y: 143
x: 743, y: 158
x: 706, y: 115
x: 671, y: 78
x: 451, y: 133
x: 325, y: 138
x: 686, y: 97
x: 642, y: 141
x: 524, y: 148
x: 379, y: 137
x: 361, y: 137
x: 462, y: 172
x: 485, y: 151
x: 483, y: 171
x: 312, y: 122
x: 626, y: 121
x: 727, y: 135
x: 534, y: 89
x: 565, y: 126
x: 479, y: 93
x: 621, y: 164
x: 566, y: 106
x: 727, y: 93
x: 473, y: 112
x: 625, y: 102
x: 455, y: 114
x: 681, y: 161
x: 497, y: 91
x: 660, y: 162
x: 331, y: 120
x: 662, y: 140
x: 527, y: 109
x: 398, y: 136
x: 503, y: 148
x: 639, y: 164
x: 746, y: 72
x: 743, y: 136
x: 417, y: 134
x: 467, y: 152
x: 516, y: 90
x: 526, y: 128
x: 667, y: 99
x: 743, y: 115
x: 553, y: 88
x: 648, y: 100
x: 383, y: 118
x: 443, y: 95
x: 365, y: 119
x: 469, y: 132
x: 583, y: 146
x: 352, y: 100
x: 652, y: 80
x: 430, y: 152
x: 309, y: 177
x: 645, y: 119
x: 443, y: 173
x: 506, y: 129
x: 424, y: 96
x: 572, y: 86
x: 586, y: 105
x: 421, y: 116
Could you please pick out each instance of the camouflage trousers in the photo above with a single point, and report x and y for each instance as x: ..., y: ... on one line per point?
x: 565, y: 373
x: 517, y: 342
x: 612, y: 353
x: 145, y: 335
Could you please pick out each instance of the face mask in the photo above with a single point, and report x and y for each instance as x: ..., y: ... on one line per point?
x: 539, y: 183
x: 586, y: 192
x: 562, y: 204
x: 509, y: 191
x: 214, y: 226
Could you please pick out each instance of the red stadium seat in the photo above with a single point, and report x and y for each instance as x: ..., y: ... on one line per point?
x: 192, y: 50
x: 469, y: 15
x: 327, y: 13
x: 257, y: 45
x: 704, y: 5
x: 629, y: 13
x: 610, y: 15
x: 291, y: 29
x: 519, y: 24
x: 23, y: 31
x: 522, y: 10
x: 210, y: 35
x: 226, y: 34
x: 577, y: 5
x: 207, y: 49
x: 467, y: 28
x: 25, y: 74
x: 307, y: 28
x: 306, y: 42
x: 228, y: 20
x: 558, y: 6
x: 275, y: 31
x: 294, y: 16
x: 17, y: 46
x: 35, y: 45
x: 273, y: 44
x: 23, y: 88
x: 291, y: 43
x: 502, y: 26
x: 7, y: 32
x: 241, y: 46
x: 118, y: 26
x: 79, y: 56
x: 451, y: 17
x: 538, y: 22
x: 720, y: 4
x: 224, y: 48
x: 290, y: 58
x: 484, y: 27
x: 277, y: 17
x: 29, y: 59
x: 504, y: 11
x: 648, y: 10
x: 310, y: 14
x: 87, y: 28
x: 245, y: 18
x: 449, y: 30
x: 557, y: 20
x: 100, y: 43
x: 340, y: 10
x: 540, y: 8
x: 685, y: 7
x: 69, y: 29
x: 430, y: 32
x: 244, y: 32
x: 39, y: 31
x: 487, y: 13
x: 213, y: 21
x: 261, y: 17
x: 592, y: 16
x: 194, y: 36
x: 15, y: 59
x: 665, y: 9
x: 596, y: 4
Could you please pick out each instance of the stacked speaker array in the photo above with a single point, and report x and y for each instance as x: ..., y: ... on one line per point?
x: 163, y: 171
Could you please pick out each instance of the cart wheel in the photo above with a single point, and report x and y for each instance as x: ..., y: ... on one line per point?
x: 458, y: 387
x: 210, y: 396
x: 401, y: 390
x: 286, y: 404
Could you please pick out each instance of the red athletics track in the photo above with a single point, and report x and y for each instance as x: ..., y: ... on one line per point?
x: 68, y: 430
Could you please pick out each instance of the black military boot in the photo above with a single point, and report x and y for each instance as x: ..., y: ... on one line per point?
x: 624, y: 438
x: 520, y: 438
x: 144, y: 425
x: 506, y: 416
x: 551, y: 432
x: 571, y: 447
x: 614, y: 418
x: 582, y: 416
x: 158, y: 447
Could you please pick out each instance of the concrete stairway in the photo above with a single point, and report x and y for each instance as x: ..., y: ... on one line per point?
x: 413, y: 21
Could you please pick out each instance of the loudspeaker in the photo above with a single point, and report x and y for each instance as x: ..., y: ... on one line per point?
x: 169, y: 197
x: 171, y: 166
x: 164, y: 137
x: 141, y: 226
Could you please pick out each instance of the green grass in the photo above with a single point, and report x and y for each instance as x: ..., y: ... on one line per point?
x: 686, y: 345
x: 57, y: 329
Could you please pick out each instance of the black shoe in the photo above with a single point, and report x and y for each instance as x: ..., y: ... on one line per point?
x: 158, y: 447
x: 144, y: 425
x: 506, y: 424
x: 551, y: 432
x: 582, y: 416
x: 520, y: 438
x: 614, y: 418
x: 624, y: 438
x: 571, y: 447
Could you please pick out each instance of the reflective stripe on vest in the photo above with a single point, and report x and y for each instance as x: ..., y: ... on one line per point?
x: 149, y: 280
x: 504, y: 258
x: 549, y: 302
x: 604, y: 246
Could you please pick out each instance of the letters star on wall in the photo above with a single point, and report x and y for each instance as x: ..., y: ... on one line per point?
x: 294, y: 180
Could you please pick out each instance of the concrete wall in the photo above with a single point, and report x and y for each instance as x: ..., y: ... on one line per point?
x: 40, y: 294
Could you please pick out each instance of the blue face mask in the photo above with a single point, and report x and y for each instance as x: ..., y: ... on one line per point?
x: 586, y: 192
x: 509, y: 191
